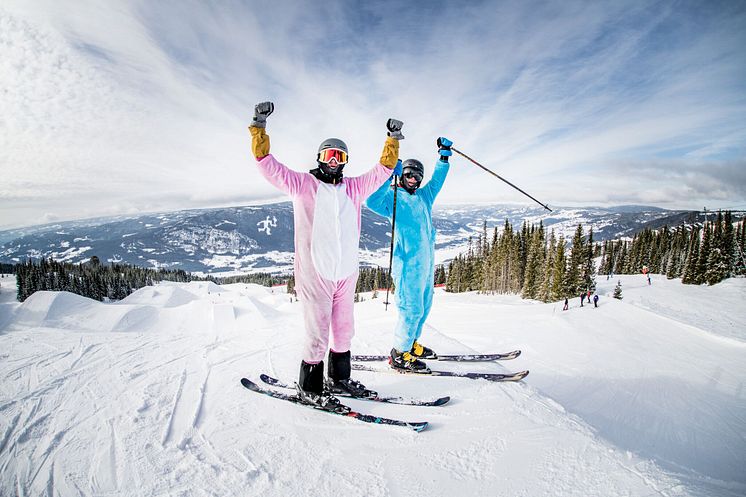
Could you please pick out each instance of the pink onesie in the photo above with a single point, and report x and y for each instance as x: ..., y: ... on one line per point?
x: 327, y: 238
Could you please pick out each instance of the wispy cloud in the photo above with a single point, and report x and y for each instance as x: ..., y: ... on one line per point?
x: 115, y: 107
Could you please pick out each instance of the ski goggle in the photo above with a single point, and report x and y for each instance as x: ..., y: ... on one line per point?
x: 409, y: 174
x: 333, y: 153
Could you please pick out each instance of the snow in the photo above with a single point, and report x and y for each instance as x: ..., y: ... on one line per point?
x: 642, y: 396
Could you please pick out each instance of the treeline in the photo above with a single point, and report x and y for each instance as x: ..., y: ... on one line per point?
x: 377, y: 278
x: 525, y: 262
x: 373, y: 278
x: 699, y: 254
x: 264, y: 279
x: 541, y: 267
x: 114, y: 282
x: 91, y: 279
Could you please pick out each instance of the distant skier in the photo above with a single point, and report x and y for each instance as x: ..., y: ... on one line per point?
x: 595, y: 300
x: 413, y: 264
x: 582, y: 298
x: 566, y: 305
x: 588, y: 296
x: 646, y: 273
x: 326, y: 209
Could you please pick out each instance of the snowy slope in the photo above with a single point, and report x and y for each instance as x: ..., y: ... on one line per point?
x: 636, y: 397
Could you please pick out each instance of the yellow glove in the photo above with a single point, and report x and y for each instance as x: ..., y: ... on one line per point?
x: 259, y: 142
x: 390, y: 153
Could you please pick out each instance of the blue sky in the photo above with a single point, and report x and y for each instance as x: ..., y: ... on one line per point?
x: 124, y: 107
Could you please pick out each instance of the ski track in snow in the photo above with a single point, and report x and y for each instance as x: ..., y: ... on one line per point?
x: 93, y: 405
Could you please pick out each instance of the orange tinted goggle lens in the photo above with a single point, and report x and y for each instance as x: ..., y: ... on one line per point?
x: 333, y: 153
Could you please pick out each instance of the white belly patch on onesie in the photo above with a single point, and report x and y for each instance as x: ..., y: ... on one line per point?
x: 335, y: 238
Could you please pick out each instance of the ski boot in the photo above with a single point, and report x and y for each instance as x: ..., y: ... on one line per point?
x: 339, y: 381
x: 404, y: 362
x: 311, y: 390
x: 422, y: 352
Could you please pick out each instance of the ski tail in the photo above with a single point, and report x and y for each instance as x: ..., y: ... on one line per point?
x: 506, y: 356
x: 498, y: 377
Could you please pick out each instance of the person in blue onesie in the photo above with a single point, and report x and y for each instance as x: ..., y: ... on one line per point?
x: 413, y: 266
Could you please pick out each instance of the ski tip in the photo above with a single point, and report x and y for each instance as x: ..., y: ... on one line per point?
x: 441, y: 401
x: 247, y: 383
x: 418, y: 427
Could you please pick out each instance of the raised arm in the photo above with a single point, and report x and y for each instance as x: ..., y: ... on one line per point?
x: 433, y: 187
x: 381, y: 201
x: 279, y: 175
x: 367, y: 183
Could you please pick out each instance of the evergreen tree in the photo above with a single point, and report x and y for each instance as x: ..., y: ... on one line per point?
x: 589, y: 269
x: 728, y: 245
x: 559, y: 283
x: 717, y: 266
x: 689, y: 273
x: 545, y: 292
x: 574, y: 276
x: 704, y: 255
x: 618, y: 290
x: 533, y: 273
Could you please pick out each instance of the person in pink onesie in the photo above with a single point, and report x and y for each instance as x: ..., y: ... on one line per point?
x: 326, y: 212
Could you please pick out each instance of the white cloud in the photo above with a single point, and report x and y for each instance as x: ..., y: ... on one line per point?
x: 109, y: 108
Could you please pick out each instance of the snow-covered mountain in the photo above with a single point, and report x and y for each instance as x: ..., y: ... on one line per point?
x: 638, y: 397
x: 260, y: 238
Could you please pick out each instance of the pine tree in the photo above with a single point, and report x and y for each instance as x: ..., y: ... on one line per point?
x: 545, y: 292
x: 689, y: 273
x: 728, y: 245
x: 618, y: 290
x: 717, y: 267
x: 559, y: 288
x: 534, y: 264
x: 574, y: 276
x: 704, y: 255
x: 589, y: 269
x: 740, y: 249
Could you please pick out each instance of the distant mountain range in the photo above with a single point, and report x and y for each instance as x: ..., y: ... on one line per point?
x: 260, y: 238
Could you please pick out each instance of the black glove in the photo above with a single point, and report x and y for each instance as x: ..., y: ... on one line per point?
x: 394, y: 126
x: 261, y: 112
x: 444, y: 147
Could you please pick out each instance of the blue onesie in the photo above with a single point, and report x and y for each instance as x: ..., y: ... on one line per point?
x: 413, y: 266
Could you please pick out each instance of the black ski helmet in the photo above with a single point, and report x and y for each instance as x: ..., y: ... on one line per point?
x: 415, y: 167
x: 332, y: 143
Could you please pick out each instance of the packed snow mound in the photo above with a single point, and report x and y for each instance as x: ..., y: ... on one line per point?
x: 160, y: 308
x: 199, y: 288
x: 160, y: 296
x: 43, y: 308
x: 68, y: 311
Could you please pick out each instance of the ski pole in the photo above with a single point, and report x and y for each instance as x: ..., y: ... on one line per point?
x: 391, y: 249
x: 500, y: 178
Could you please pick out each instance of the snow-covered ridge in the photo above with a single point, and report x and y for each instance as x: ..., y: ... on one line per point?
x: 260, y: 238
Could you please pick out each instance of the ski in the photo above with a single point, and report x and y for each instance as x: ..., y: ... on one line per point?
x: 366, y: 418
x: 456, y: 358
x: 474, y: 376
x: 388, y: 400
